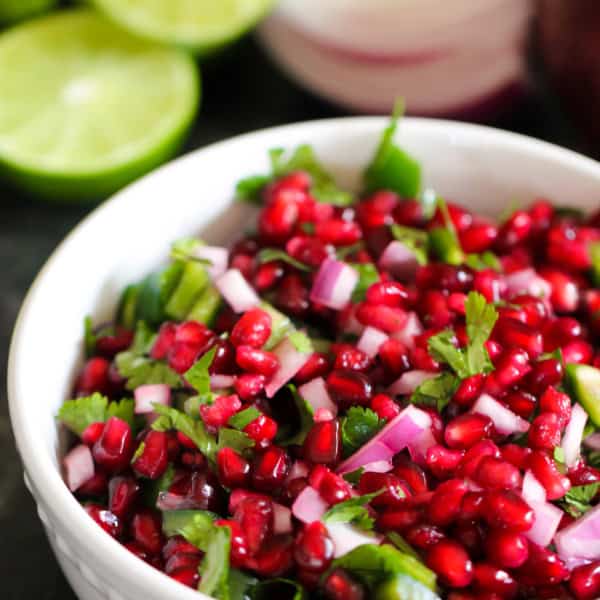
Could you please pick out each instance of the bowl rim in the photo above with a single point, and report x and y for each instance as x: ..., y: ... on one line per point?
x: 42, y: 474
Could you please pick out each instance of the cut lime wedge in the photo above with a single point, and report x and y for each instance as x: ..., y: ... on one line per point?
x: 201, y: 26
x: 86, y: 108
x: 12, y: 11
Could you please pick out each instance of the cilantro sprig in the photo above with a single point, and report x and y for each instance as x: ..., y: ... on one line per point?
x: 358, y: 427
x: 352, y: 511
x: 578, y: 500
x: 78, y: 413
x: 267, y: 255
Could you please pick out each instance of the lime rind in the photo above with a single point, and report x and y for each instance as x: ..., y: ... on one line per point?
x: 199, y: 26
x: 12, y: 11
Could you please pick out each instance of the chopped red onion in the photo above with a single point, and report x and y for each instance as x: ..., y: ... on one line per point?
x: 146, y: 396
x: 592, y: 441
x: 309, y: 506
x: 221, y: 382
x: 399, y: 260
x: 580, y: 539
x: 78, y: 467
x: 379, y: 466
x: 316, y: 394
x: 372, y: 451
x: 170, y: 501
x: 532, y: 490
x: 505, y: 421
x: 334, y: 283
x: 408, y: 382
x: 418, y: 448
x: 238, y: 293
x: 218, y: 257
x: 346, y: 538
x: 545, y: 525
x: 323, y: 414
x: 527, y: 281
x: 572, y: 562
x: 282, y: 519
x: 571, y: 442
x: 370, y: 341
x: 410, y: 331
x: 299, y: 469
x: 291, y: 361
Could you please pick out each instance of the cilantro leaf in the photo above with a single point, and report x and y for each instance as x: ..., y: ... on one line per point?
x: 578, y: 499
x: 392, y: 168
x: 443, y: 241
x: 442, y: 349
x: 196, y: 526
x: 486, y: 260
x: 171, y: 418
x: 244, y: 417
x: 198, y: 376
x: 352, y: 511
x: 353, y: 477
x: 241, y: 585
x: 301, y: 342
x: 415, y: 240
x: 481, y: 318
x: 78, y: 413
x: 214, y: 568
x: 270, y: 254
x: 249, y: 188
x: 358, y: 427
x: 89, y: 337
x: 436, y: 392
x: 367, y: 276
x: 234, y: 439
x: 304, y: 421
x: 401, y: 544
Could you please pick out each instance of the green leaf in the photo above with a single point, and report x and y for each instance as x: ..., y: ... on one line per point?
x: 305, y: 420
x: 578, y: 499
x: 559, y: 455
x: 301, y: 342
x: 171, y: 418
x: 374, y: 564
x: 89, y: 336
x: 196, y: 526
x: 214, y: 568
x: 241, y: 585
x: 198, y: 376
x: 244, y: 417
x: 352, y: 511
x: 595, y: 257
x: 392, y: 168
x: 278, y: 589
x: 402, y: 544
x: 184, y: 249
x: 445, y: 246
x: 367, y: 276
x: 415, y: 240
x: 436, y: 392
x: 358, y: 427
x: 353, y: 477
x: 249, y: 188
x: 139, y: 451
x: 486, y: 260
x: 442, y: 349
x: 152, y: 488
x: 77, y: 414
x: 481, y: 317
x: 234, y: 439
x: 270, y: 254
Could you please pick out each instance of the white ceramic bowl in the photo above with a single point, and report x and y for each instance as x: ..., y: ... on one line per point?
x: 131, y: 234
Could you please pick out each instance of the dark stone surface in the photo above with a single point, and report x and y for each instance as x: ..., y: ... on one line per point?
x: 242, y: 92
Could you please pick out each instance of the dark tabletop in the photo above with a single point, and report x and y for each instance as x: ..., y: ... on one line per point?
x: 242, y: 92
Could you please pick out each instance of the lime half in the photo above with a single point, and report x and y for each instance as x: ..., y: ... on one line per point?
x: 86, y: 108
x: 201, y: 26
x: 15, y: 10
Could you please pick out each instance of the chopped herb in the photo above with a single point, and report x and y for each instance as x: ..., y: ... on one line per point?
x: 367, y: 276
x: 234, y: 439
x: 352, y: 511
x: 139, y: 451
x: 443, y: 241
x: 244, y: 417
x: 358, y: 427
x: 579, y: 498
x: 485, y: 260
x: 214, y: 568
x: 196, y: 526
x: 353, y: 477
x: 77, y: 414
x: 555, y: 354
x: 152, y: 488
x: 270, y: 254
x: 343, y: 252
x: 436, y: 392
x: 392, y: 168
x: 249, y: 188
x: 415, y: 240
x: 308, y: 227
x: 198, y: 376
x: 442, y: 349
x: 304, y: 421
x: 401, y: 544
x: 301, y: 342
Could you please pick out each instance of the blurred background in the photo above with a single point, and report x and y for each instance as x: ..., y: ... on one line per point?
x: 94, y: 95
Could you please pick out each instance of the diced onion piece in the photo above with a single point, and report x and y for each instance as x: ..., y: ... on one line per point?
x: 545, y: 525
x: 410, y: 331
x: 145, y: 396
x: 379, y: 466
x: 334, y: 283
x: 323, y: 414
x: 316, y: 394
x: 408, y: 382
x: 170, y: 501
x: 505, y: 421
x: 221, y: 382
x: 282, y: 519
x: 418, y: 448
x: 527, y: 281
x: 218, y: 257
x: 532, y: 490
x: 399, y: 260
x: 78, y: 467
x: 592, y: 441
x: 571, y: 442
x: 580, y: 539
x: 238, y: 293
x: 291, y: 361
x: 346, y: 537
x: 371, y: 340
x: 572, y: 562
x: 299, y: 469
x: 309, y: 506
x: 372, y: 451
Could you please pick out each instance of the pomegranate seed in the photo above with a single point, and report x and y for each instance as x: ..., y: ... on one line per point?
x: 584, y: 475
x: 505, y: 509
x: 253, y: 329
x: 154, y: 460
x: 316, y: 366
x: 394, y: 357
x: 385, y: 318
x: 275, y: 557
x: 565, y: 291
x: 507, y: 549
x: 256, y: 361
x: 267, y: 275
x: 577, y: 351
x: 472, y: 506
x: 106, y: 519
x: 376, y: 210
x: 407, y: 471
x: 553, y: 401
x: 585, y: 581
x: 340, y: 586
x: 399, y: 519
x: 292, y: 296
x: 347, y: 357
x: 409, y: 213
x: 123, y: 493
x: 224, y: 359
x: 543, y: 374
x: 200, y: 488
x: 178, y: 545
x: 239, y: 544
x: 348, y: 388
x: 466, y: 430
x: 392, y: 491
x: 181, y: 561
x: 445, y: 503
x: 542, y: 567
x: 262, y: 430
x: 470, y: 535
x: 424, y: 536
x: 91, y: 434
x: 389, y: 293
x: 546, y: 472
x: 512, y: 366
x: 338, y: 232
x: 277, y: 220
x: 233, y: 470
x: 309, y: 251
x: 255, y: 517
x: 333, y: 488
x: 182, y: 356
x: 185, y: 441
x: 94, y: 487
x: 384, y: 406
x: 545, y: 431
x: 270, y: 468
x: 93, y: 377
x: 114, y: 448
x: 469, y: 390
x: 533, y: 310
x: 188, y: 577
x: 521, y: 402
x: 146, y: 530
x: 497, y: 582
x: 494, y: 474
x: 514, y: 334
x: 478, y: 238
x: 514, y: 231
x: 323, y: 443
x: 248, y: 386
x: 218, y: 413
x: 451, y: 562
x: 516, y: 455
x: 314, y: 549
x: 194, y: 333
x: 443, y: 462
x: 473, y: 457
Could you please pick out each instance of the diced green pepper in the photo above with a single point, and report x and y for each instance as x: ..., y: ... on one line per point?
x: 444, y: 245
x: 126, y: 313
x: 191, y: 284
x: 280, y: 325
x: 206, y: 307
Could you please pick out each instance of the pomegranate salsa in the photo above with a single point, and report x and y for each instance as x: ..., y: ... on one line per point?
x: 384, y: 396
